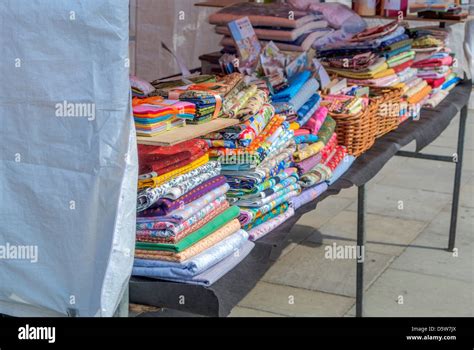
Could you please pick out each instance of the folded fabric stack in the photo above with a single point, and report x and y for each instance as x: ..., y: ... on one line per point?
x: 289, y: 29
x: 379, y: 56
x: 256, y: 159
x: 186, y: 229
x: 434, y: 63
x: 213, y: 97
x: 155, y: 115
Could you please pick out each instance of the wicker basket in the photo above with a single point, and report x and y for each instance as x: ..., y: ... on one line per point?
x: 387, y: 115
x: 357, y: 132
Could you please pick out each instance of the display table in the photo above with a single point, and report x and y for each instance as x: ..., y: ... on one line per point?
x: 220, y: 298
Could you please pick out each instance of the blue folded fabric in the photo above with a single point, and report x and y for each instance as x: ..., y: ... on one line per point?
x: 343, y: 166
x: 194, y: 266
x: 308, y: 105
x: 295, y: 84
x: 203, y: 269
x: 304, y: 94
x: 394, y: 40
x: 306, y: 139
x: 448, y: 83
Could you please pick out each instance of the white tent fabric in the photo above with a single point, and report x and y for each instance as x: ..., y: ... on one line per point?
x: 68, y: 162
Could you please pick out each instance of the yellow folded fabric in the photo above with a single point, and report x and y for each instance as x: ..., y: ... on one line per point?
x: 381, y: 72
x: 294, y: 126
x: 419, y: 96
x: 309, y: 151
x: 415, y: 89
x: 159, y: 180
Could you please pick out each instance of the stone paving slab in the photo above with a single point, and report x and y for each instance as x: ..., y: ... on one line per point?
x: 307, y: 267
x: 423, y: 296
x: 386, y: 235
x: 290, y: 301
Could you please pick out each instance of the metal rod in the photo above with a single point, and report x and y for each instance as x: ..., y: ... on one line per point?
x: 360, y: 245
x: 417, y: 155
x: 457, y: 179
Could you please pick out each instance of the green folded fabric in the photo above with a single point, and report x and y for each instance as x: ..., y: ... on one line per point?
x: 212, y: 226
x: 400, y: 58
x: 398, y: 45
x: 327, y: 129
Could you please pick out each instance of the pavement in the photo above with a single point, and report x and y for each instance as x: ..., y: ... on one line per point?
x: 408, y: 271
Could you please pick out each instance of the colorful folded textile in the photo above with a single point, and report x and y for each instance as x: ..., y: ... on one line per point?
x: 197, y: 269
x: 341, y: 168
x: 436, y: 98
x: 198, y: 247
x: 226, y: 217
x: 248, y: 215
x: 316, y: 121
x: 309, y: 151
x: 259, y: 202
x: 186, y: 212
x: 161, y: 179
x: 295, y: 84
x: 308, y: 195
x: 164, y: 206
x: 318, y: 174
x: 154, y: 158
x: 307, y: 164
x: 306, y: 139
x: 266, y: 227
x: 419, y: 96
x: 327, y: 130
x: 176, y: 232
x: 178, y: 186
x: 268, y: 216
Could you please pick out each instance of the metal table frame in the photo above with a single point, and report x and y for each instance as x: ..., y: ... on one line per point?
x: 361, y: 206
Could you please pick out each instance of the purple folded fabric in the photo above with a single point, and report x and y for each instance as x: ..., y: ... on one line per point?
x: 308, y: 195
x: 164, y: 206
x: 308, y: 164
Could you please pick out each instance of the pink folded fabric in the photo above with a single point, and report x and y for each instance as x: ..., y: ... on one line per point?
x: 382, y: 82
x: 316, y: 121
x: 301, y: 132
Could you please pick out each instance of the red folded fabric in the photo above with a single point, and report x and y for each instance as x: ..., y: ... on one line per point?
x: 434, y: 62
x: 434, y: 83
x: 403, y: 66
x: 301, y: 132
x: 167, y: 158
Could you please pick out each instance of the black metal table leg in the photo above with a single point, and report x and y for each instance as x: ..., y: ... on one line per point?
x: 360, y: 245
x: 457, y: 179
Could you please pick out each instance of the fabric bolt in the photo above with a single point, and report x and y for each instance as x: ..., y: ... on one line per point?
x: 259, y: 202
x: 307, y: 164
x: 295, y: 84
x: 380, y: 82
x: 187, y: 211
x: 419, y: 96
x: 171, y: 227
x: 306, y: 139
x: 327, y: 130
x: 253, y: 105
x: 303, y: 95
x: 401, y: 67
x: 309, y: 151
x: 161, y: 179
x: 328, y: 149
x: 195, y: 265
x: 165, y: 156
x: 176, y: 232
x: 400, y: 58
x: 316, y: 121
x: 336, y: 157
x: 164, y: 206
x: 268, y: 226
x: 436, y: 98
x: 341, y: 168
x: 268, y: 216
x: 221, y: 220
x: 308, y: 195
x: 318, y: 174
x: 178, y: 186
x: 232, y: 106
x: 255, y: 213
x: 197, y: 247
x: 308, y: 106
